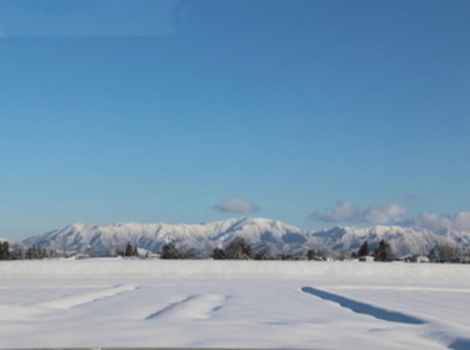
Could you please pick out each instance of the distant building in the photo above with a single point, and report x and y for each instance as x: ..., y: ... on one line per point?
x: 419, y: 258
x: 81, y: 256
x: 464, y: 260
x: 366, y: 258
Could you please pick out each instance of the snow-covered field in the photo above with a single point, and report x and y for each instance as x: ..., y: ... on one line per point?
x: 233, y: 304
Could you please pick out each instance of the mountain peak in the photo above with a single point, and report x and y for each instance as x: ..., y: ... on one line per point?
x: 279, y: 237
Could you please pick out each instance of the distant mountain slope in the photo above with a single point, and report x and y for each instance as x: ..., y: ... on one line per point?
x: 404, y: 241
x: 100, y: 239
x: 203, y: 238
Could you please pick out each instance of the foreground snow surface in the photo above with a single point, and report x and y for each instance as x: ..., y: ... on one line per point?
x: 233, y: 304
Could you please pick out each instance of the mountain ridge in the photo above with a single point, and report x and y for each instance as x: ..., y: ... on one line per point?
x: 278, y: 237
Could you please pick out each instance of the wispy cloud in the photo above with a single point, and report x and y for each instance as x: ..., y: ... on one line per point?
x: 236, y: 205
x: 345, y: 211
x: 392, y: 213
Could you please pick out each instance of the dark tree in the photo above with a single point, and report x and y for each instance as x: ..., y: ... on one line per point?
x: 16, y: 254
x: 130, y: 250
x: 311, y: 254
x: 364, y: 249
x: 238, y: 249
x: 286, y: 257
x: 4, y: 251
x: 263, y: 254
x: 434, y: 254
x: 35, y: 252
x: 384, y: 251
x: 445, y: 252
x: 171, y: 251
x: 218, y: 254
x: 118, y: 252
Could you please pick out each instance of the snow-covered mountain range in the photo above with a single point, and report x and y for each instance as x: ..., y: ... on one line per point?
x: 280, y: 238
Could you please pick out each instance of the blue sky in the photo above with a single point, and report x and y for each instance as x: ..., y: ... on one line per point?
x: 315, y: 113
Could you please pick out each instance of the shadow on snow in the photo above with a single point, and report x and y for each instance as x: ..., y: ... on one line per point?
x: 460, y: 344
x: 362, y: 308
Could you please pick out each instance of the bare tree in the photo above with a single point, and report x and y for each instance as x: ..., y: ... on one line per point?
x: 238, y: 249
x: 172, y: 251
x: 445, y: 252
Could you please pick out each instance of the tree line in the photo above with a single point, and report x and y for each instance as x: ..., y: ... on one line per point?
x: 238, y: 249
x: 442, y: 252
x: 383, y: 252
x: 33, y: 252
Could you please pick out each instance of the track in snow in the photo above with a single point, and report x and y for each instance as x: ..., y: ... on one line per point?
x: 73, y: 301
x: 192, y: 308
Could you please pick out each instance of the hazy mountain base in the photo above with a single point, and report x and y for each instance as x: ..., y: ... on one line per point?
x: 262, y: 234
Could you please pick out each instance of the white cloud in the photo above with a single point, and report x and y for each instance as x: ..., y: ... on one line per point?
x: 461, y: 221
x: 383, y: 213
x: 441, y: 223
x: 236, y: 205
x: 348, y: 212
x: 391, y: 213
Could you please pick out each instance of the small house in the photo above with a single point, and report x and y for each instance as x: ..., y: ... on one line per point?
x: 419, y: 258
x: 366, y: 258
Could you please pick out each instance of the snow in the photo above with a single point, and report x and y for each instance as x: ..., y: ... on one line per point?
x: 233, y: 304
x: 261, y: 233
